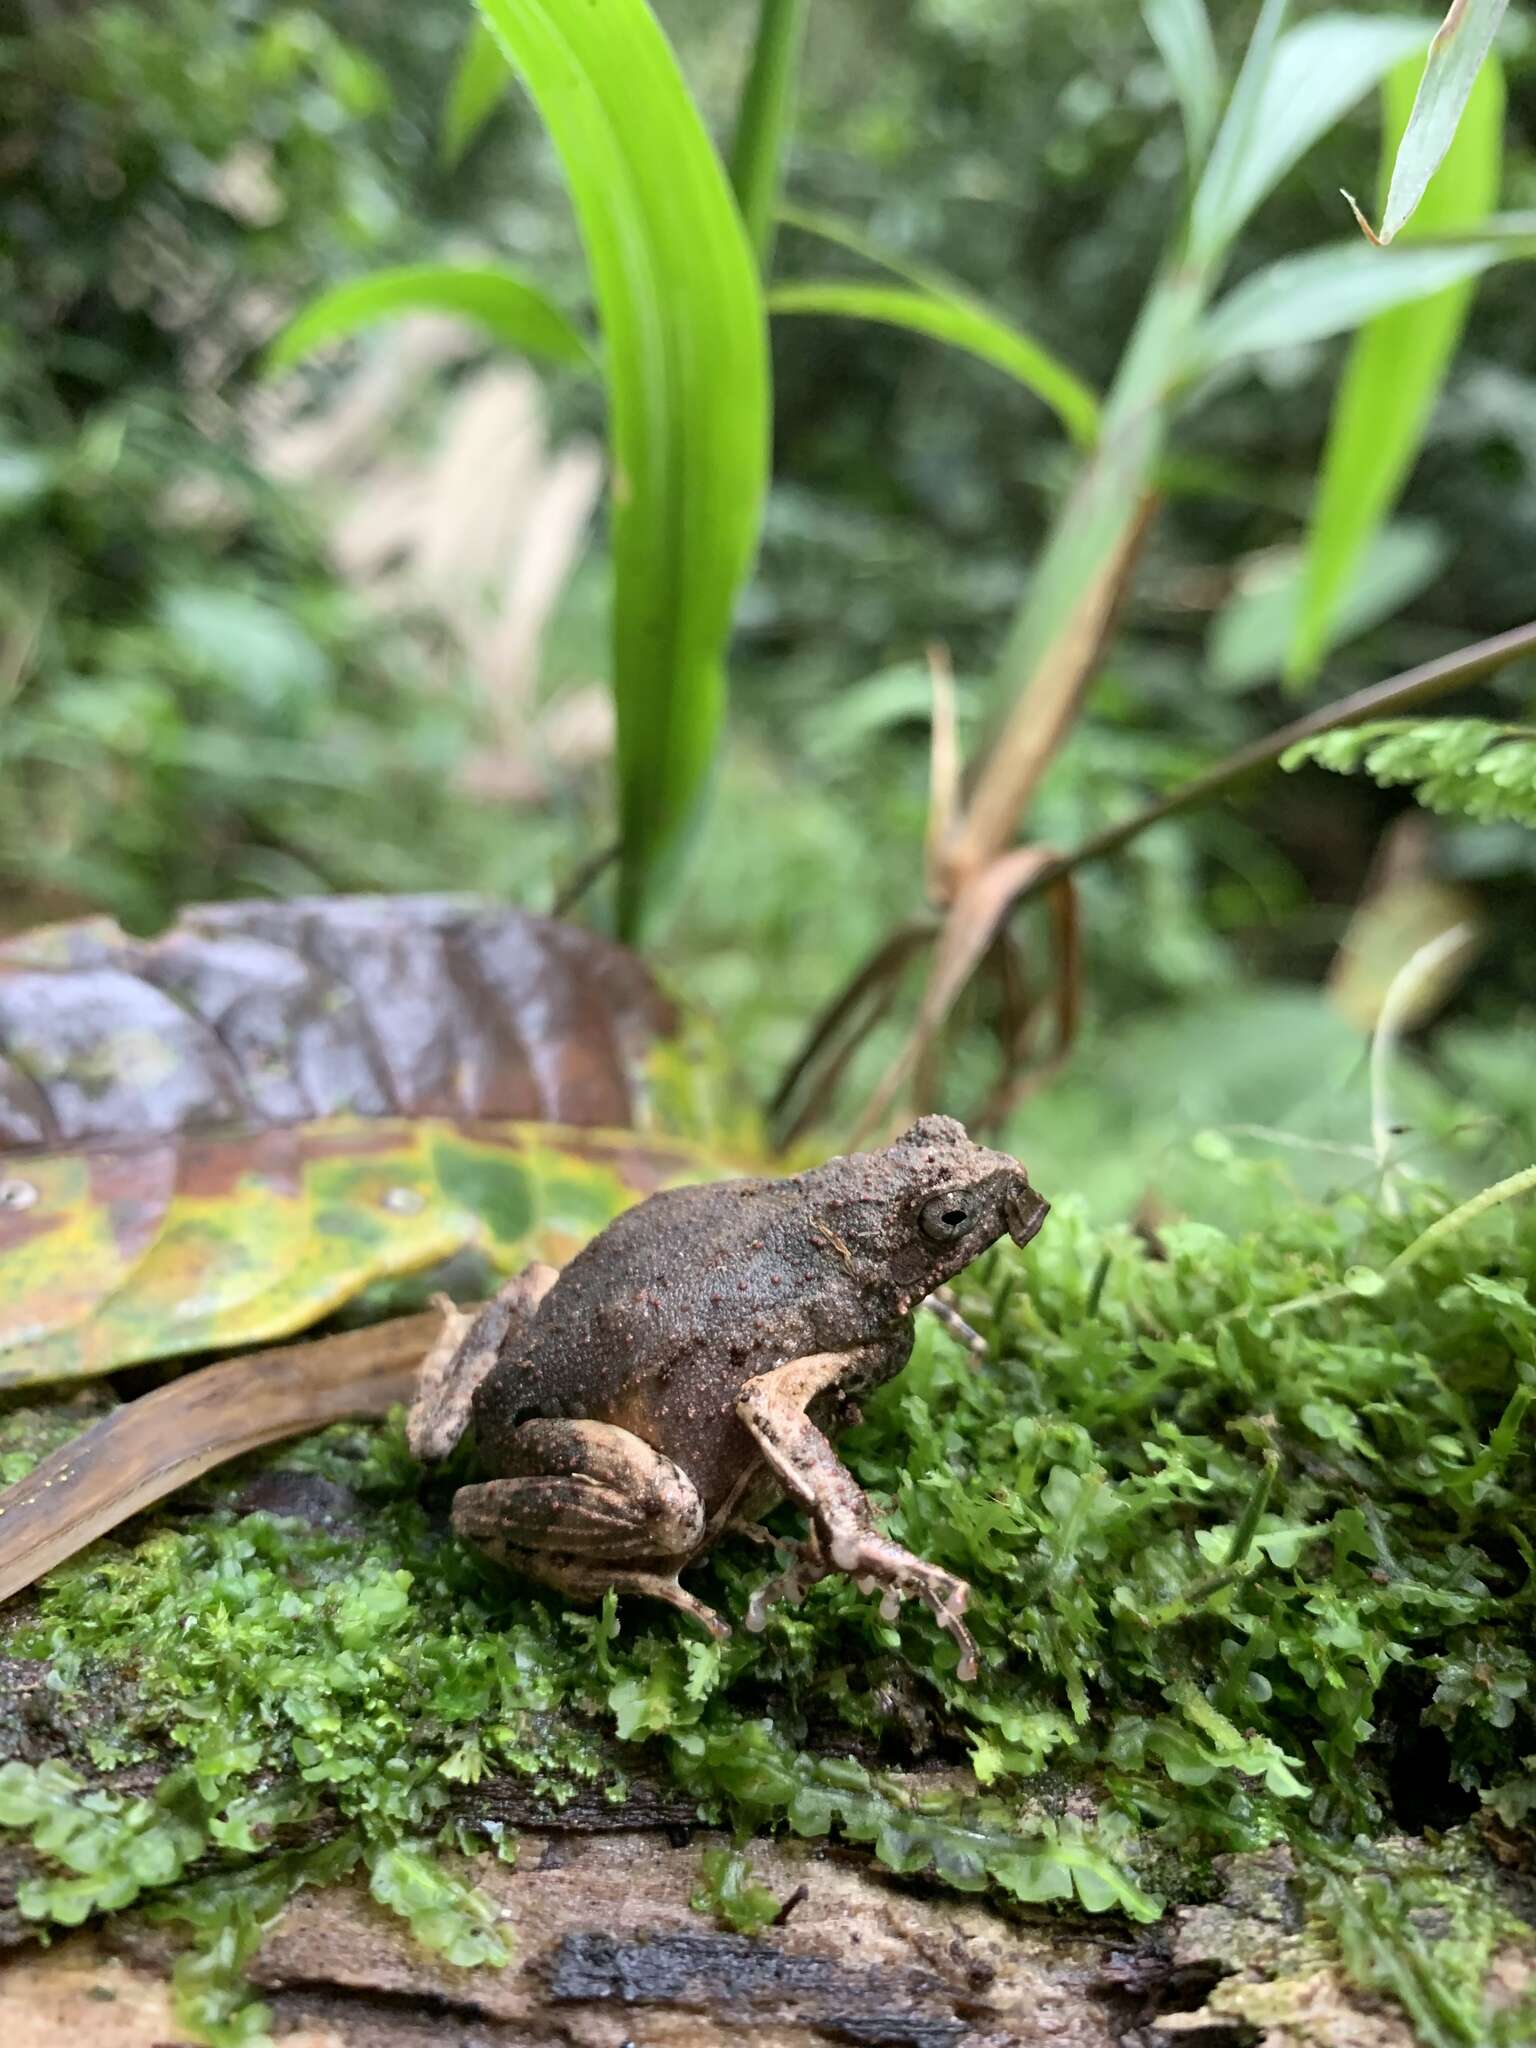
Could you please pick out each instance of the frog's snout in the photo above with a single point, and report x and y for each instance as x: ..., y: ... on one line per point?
x: 1024, y: 1211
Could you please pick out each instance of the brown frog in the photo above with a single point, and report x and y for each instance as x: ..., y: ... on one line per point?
x: 682, y: 1372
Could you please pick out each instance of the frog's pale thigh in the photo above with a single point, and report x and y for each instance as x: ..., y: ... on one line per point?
x: 464, y: 1353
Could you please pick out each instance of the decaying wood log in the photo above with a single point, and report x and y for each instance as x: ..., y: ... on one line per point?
x: 608, y: 1949
x: 609, y: 1952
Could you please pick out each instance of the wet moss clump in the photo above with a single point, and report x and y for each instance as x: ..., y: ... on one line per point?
x: 1252, y: 1537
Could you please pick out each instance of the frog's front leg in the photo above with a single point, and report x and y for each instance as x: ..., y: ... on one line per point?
x: 466, y: 1349
x: 589, y: 1507
x: 773, y: 1406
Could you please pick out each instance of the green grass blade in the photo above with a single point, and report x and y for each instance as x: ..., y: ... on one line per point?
x: 506, y: 305
x: 1181, y: 30
x: 948, y: 317
x: 1291, y: 91
x: 685, y: 350
x: 477, y: 86
x: 1395, y: 372
x: 765, y: 119
x: 1456, y: 58
x: 1327, y: 291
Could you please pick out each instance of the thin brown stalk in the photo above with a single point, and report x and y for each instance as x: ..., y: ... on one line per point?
x: 943, y: 766
x: 1399, y: 693
x: 969, y: 928
x: 874, y: 984
x: 1042, y: 715
x: 591, y: 870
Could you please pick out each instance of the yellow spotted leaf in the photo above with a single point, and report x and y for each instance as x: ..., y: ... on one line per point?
x: 216, y: 1137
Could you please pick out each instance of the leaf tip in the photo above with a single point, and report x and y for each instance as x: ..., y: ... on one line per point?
x: 1370, y: 234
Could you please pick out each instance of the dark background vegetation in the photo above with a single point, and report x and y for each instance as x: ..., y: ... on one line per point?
x: 193, y: 703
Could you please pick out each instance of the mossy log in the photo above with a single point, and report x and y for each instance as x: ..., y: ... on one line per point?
x: 608, y: 1948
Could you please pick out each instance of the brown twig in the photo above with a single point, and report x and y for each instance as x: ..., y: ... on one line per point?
x: 1042, y: 715
x: 591, y: 870
x: 1415, y: 686
x: 875, y: 982
x: 971, y: 923
x: 150, y: 1447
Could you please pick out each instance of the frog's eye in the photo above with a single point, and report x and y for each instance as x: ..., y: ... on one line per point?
x: 944, y: 1217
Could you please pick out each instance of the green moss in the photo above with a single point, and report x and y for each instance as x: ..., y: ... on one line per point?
x: 1238, y: 1575
x: 732, y: 1895
x: 1423, y: 1924
x: 28, y: 1433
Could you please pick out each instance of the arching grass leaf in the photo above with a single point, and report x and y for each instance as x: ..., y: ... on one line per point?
x: 1328, y: 291
x: 963, y: 324
x: 1181, y: 30
x: 952, y: 314
x: 504, y: 303
x: 1291, y: 90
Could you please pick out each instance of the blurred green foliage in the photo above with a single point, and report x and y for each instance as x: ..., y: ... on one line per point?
x: 189, y: 704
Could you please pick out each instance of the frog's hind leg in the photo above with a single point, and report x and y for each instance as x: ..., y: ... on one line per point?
x: 593, y: 1508
x: 466, y: 1349
x: 591, y: 1582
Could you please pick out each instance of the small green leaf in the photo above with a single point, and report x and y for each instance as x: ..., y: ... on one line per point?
x: 951, y: 318
x: 1364, y: 1280
x: 505, y: 304
x: 1327, y: 291
x: 1181, y: 30
x: 477, y: 86
x: 1456, y: 57
x: 443, y: 1913
x: 729, y: 1890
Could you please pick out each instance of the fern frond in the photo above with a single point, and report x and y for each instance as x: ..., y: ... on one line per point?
x: 1461, y: 767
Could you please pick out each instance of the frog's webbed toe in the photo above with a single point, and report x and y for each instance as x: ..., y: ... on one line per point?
x: 808, y: 1566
